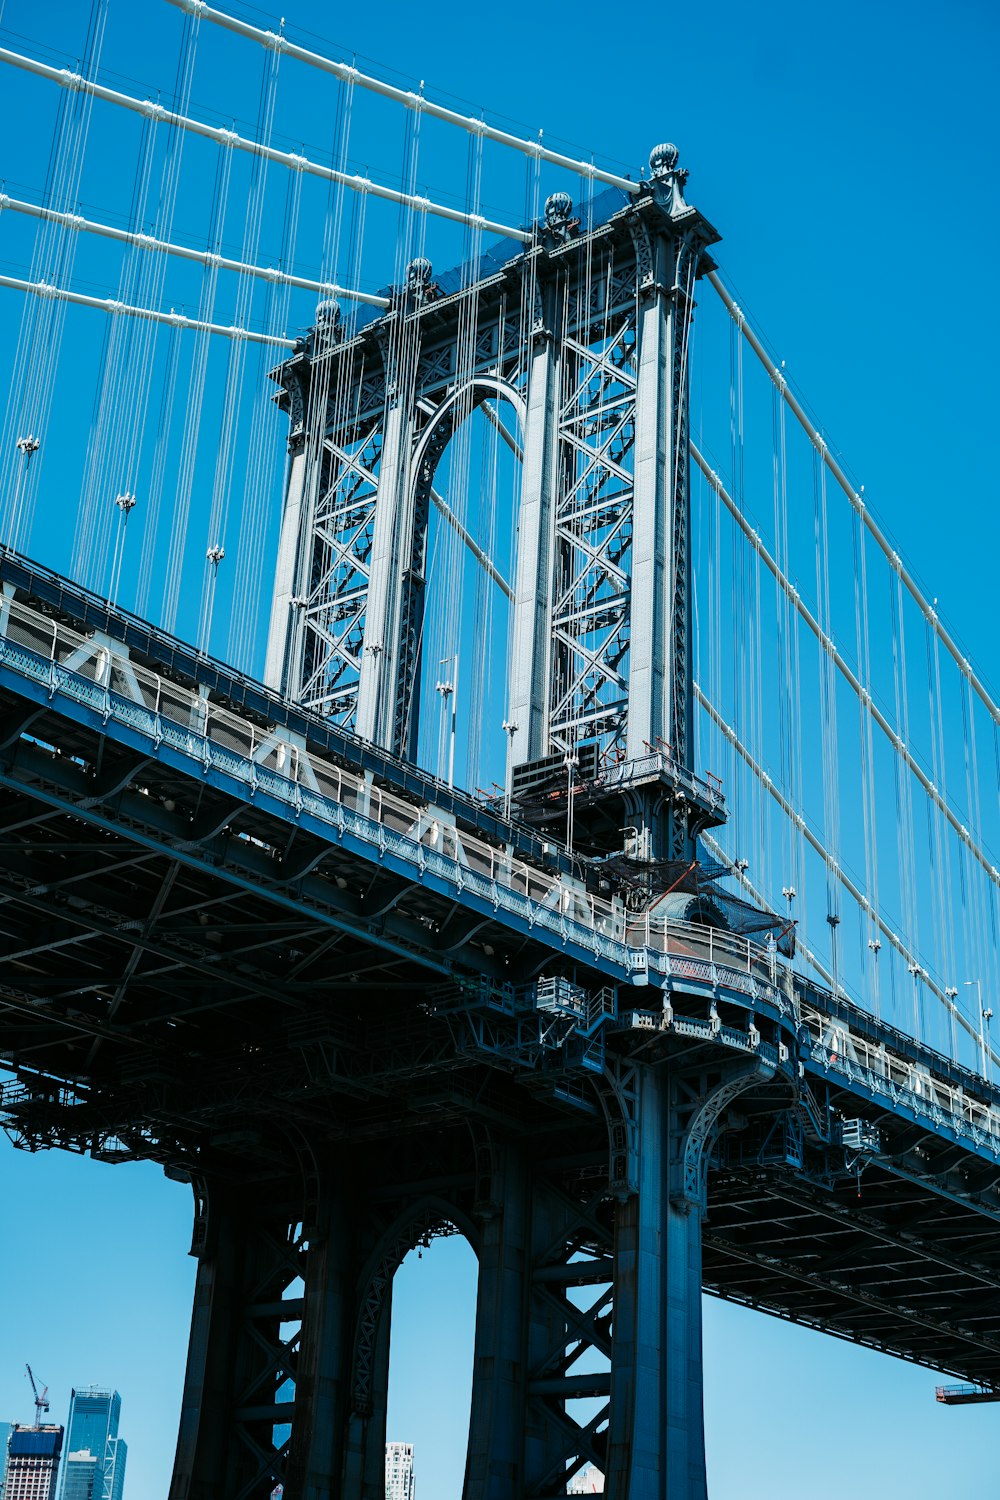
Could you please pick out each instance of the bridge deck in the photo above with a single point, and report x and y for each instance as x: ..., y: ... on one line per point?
x: 218, y: 912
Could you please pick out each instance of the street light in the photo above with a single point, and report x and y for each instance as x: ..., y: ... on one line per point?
x: 509, y: 729
x: 448, y: 688
x: 834, y: 922
x: 27, y: 447
x: 126, y: 505
x: 570, y: 762
x: 985, y: 1017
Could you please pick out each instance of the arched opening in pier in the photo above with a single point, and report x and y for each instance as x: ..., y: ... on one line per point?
x: 469, y: 467
x: 430, y: 1361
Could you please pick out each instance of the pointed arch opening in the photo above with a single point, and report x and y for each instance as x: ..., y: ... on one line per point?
x: 467, y: 478
x: 433, y: 1314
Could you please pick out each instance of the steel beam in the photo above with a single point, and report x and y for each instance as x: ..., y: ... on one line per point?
x: 529, y: 691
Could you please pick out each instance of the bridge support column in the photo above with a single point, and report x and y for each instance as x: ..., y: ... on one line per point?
x: 543, y: 1342
x: 656, y: 1444
x: 493, y: 1467
x: 656, y: 1436
x: 322, y: 1385
x: 237, y: 1372
x: 283, y: 640
x: 262, y: 1360
x: 588, y: 1326
x: 364, y: 1449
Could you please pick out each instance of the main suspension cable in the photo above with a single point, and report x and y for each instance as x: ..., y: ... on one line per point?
x: 183, y: 252
x: 224, y: 137
x: 174, y: 319
x: 279, y: 43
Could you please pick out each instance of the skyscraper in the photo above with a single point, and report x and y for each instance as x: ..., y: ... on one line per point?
x: 32, y: 1463
x: 95, y: 1455
x: 399, y: 1479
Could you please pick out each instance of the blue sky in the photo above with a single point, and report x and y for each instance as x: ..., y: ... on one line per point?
x: 847, y: 155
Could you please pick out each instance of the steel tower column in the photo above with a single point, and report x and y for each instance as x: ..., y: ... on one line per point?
x: 493, y: 1467
x: 659, y: 512
x: 322, y: 1384
x: 364, y: 1448
x: 281, y: 634
x: 283, y: 660
x: 532, y: 621
x: 386, y: 674
x: 656, y: 1436
x: 240, y: 1361
x: 656, y: 1441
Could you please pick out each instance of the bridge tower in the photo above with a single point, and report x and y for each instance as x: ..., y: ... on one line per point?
x: 587, y: 335
x: 587, y: 1222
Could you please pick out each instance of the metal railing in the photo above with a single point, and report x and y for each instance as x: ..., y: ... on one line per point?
x: 97, y: 672
x: 838, y: 1049
x: 661, y: 763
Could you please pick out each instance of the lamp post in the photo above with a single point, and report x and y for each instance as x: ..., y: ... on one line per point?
x: 834, y: 921
x: 570, y: 762
x: 985, y: 1017
x: 509, y: 729
x: 448, y: 688
x: 27, y: 447
x: 214, y: 556
x: 951, y: 995
x: 126, y: 505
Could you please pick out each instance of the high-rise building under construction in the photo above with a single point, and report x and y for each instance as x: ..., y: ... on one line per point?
x: 32, y: 1462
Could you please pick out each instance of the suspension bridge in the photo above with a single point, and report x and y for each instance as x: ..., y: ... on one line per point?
x: 448, y: 787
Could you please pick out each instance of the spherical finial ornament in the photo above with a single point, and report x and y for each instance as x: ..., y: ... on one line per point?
x: 558, y: 208
x: 419, y: 272
x: 663, y: 159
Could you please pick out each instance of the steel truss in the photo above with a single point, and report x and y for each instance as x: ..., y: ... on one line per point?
x: 593, y: 539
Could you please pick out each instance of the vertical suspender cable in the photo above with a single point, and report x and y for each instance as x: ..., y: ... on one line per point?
x: 236, y: 364
x: 195, y: 402
x: 43, y: 319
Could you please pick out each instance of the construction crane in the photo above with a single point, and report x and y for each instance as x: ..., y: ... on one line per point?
x: 41, y: 1401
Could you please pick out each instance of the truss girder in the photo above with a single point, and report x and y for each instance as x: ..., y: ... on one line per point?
x: 332, y: 609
